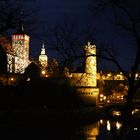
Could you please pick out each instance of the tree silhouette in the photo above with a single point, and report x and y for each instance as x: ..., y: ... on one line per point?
x: 3, y: 60
x: 67, y: 40
x: 125, y: 15
x: 32, y: 71
x: 12, y: 12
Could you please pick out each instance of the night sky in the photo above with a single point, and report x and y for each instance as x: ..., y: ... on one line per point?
x: 52, y: 12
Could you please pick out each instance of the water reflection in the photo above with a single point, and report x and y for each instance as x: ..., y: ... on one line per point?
x: 118, y: 125
x: 108, y: 126
x: 100, y: 130
x: 52, y: 129
x: 101, y: 121
x: 88, y: 132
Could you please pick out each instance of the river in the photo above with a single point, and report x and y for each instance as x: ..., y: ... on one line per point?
x: 32, y: 128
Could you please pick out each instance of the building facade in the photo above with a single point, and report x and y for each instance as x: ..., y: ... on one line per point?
x: 18, y: 57
x: 86, y: 83
x: 43, y: 59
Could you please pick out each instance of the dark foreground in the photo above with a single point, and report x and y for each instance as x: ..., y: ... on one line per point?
x: 44, y: 124
x: 63, y: 124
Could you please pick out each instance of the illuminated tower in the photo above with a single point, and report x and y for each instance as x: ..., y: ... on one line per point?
x: 43, y: 59
x: 90, y: 62
x: 19, y: 60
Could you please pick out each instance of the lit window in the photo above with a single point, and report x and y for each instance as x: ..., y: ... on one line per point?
x: 12, y: 79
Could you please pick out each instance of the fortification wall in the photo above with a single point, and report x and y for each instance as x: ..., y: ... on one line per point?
x: 82, y: 80
x: 86, y: 87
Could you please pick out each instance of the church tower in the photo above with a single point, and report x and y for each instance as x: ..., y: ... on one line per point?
x: 90, y: 62
x: 43, y: 59
x: 19, y: 60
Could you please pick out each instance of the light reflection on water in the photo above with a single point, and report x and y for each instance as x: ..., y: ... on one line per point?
x: 49, y: 129
x: 100, y: 130
x: 88, y: 132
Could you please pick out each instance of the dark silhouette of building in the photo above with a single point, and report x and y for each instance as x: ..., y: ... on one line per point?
x: 3, y: 60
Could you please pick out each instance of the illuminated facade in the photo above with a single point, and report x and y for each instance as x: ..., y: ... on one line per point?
x: 86, y: 83
x: 18, y: 58
x: 43, y: 59
x: 90, y: 62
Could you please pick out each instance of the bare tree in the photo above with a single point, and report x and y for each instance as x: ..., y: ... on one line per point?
x: 126, y: 16
x: 13, y: 12
x: 67, y: 40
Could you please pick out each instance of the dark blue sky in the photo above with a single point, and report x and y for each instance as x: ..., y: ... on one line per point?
x: 51, y: 12
x: 54, y: 10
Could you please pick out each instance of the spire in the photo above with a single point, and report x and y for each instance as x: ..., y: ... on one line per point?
x: 43, y: 44
x: 43, y: 48
x: 89, y: 43
x: 20, y: 29
x: 43, y: 59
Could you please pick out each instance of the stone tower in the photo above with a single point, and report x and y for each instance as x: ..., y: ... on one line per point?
x: 86, y: 83
x: 90, y: 62
x: 19, y: 60
x: 43, y: 59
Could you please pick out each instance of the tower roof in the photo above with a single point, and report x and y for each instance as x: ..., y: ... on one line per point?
x: 89, y: 46
x: 43, y: 51
x: 20, y: 29
x: 43, y: 46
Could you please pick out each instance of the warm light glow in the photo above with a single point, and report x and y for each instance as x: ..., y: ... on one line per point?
x: 109, y: 74
x: 118, y: 96
x: 43, y: 72
x: 101, y: 121
x: 108, y: 101
x: 118, y: 125
x: 104, y: 98
x: 101, y: 95
x: 12, y: 79
x: 136, y: 75
x: 101, y: 99
x: 90, y: 62
x: 18, y: 58
x: 135, y: 111
x: 28, y: 79
x: 43, y: 59
x: 121, y: 98
x: 116, y: 113
x: 108, y: 126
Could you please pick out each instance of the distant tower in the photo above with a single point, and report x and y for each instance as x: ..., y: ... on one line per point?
x: 90, y: 62
x: 19, y: 60
x: 43, y: 59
